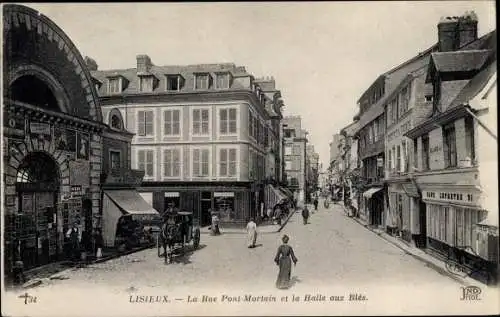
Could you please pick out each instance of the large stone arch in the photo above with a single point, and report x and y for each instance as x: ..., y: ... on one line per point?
x: 48, y: 40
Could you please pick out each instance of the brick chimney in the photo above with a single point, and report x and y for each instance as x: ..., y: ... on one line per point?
x: 143, y: 64
x: 456, y: 32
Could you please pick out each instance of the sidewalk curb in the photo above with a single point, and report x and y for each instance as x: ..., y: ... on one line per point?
x: 290, y: 214
x: 430, y: 264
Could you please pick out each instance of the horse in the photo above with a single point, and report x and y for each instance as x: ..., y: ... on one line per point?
x: 169, y: 235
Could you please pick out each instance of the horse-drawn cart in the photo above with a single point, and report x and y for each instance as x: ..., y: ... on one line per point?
x: 178, y: 230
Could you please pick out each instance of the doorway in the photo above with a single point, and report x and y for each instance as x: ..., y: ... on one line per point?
x: 37, y: 186
x: 206, y: 206
x: 422, y: 241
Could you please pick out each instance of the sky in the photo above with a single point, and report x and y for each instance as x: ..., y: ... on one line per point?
x: 323, y: 55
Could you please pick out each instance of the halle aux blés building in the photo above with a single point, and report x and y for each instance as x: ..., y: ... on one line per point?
x: 206, y: 136
x: 53, y: 141
x: 427, y: 128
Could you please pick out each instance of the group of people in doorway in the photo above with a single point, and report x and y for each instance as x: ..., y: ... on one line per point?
x: 80, y: 243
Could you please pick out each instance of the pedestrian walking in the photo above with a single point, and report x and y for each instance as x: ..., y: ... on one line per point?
x: 214, y: 227
x: 284, y: 258
x: 74, y: 237
x: 305, y: 214
x: 252, y: 233
x: 315, y: 203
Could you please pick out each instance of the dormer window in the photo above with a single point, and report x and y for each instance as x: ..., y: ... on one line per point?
x: 116, y: 123
x: 202, y: 81
x: 222, y: 81
x: 174, y: 82
x: 114, y: 85
x: 146, y: 83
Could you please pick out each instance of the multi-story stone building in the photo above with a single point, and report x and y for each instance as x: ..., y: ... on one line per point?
x: 371, y: 133
x: 334, y: 164
x: 349, y: 158
x: 52, y: 140
x: 454, y: 146
x: 312, y: 170
x: 295, y: 141
x: 200, y: 134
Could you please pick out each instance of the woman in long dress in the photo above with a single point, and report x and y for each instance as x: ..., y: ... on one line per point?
x: 252, y: 233
x: 283, y: 259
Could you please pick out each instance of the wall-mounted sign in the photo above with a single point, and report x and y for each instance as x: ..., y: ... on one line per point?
x: 65, y: 139
x: 41, y: 130
x: 172, y: 194
x: 79, y: 173
x: 82, y: 146
x: 223, y: 194
x: 76, y: 191
x: 14, y: 127
x: 380, y: 162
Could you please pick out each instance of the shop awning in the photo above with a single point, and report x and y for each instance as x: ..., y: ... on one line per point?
x: 411, y: 190
x: 369, y: 193
x: 131, y: 202
x: 287, y: 192
x: 273, y: 196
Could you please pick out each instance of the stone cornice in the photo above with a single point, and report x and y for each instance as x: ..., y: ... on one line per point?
x: 202, y: 96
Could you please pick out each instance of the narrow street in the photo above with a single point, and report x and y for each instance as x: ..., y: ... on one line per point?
x: 332, y: 249
x: 337, y: 256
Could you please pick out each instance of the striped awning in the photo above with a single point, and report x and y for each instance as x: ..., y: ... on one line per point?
x: 272, y: 196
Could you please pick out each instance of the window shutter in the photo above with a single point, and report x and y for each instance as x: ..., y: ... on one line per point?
x: 204, y: 159
x: 232, y: 162
x: 196, y: 162
x: 141, y: 121
x: 166, y: 163
x: 149, y: 123
x: 223, y: 120
x: 141, y: 160
x: 176, y: 162
x: 204, y: 121
x: 150, y: 163
x: 167, y: 118
x: 176, y: 124
x: 223, y: 162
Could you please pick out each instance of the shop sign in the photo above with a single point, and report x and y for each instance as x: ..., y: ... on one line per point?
x: 172, y: 194
x: 79, y: 173
x: 76, y: 191
x: 223, y: 194
x: 14, y: 127
x: 40, y: 130
x: 380, y: 162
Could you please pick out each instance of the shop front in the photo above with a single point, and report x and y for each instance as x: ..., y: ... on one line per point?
x: 373, y: 204
x: 125, y: 214
x: 234, y: 202
x: 52, y: 140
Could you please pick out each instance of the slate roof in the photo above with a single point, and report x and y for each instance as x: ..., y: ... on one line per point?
x: 460, y: 61
x: 475, y: 85
x: 187, y: 72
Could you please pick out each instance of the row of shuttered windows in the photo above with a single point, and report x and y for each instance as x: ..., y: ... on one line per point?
x: 453, y: 225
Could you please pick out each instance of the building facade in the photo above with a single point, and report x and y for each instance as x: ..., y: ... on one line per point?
x: 295, y: 141
x: 312, y: 170
x: 349, y: 159
x: 52, y: 140
x: 454, y: 146
x: 201, y: 134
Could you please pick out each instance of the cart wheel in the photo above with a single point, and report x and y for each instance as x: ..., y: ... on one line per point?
x: 196, y: 238
x: 158, y: 246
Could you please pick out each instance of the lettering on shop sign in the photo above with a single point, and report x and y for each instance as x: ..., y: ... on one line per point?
x: 79, y: 173
x: 40, y: 130
x: 399, y: 131
x: 435, y: 149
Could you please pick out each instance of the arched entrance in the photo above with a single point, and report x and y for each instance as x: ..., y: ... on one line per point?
x: 37, y: 186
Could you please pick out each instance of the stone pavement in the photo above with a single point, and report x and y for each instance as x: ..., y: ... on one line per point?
x: 266, y: 229
x: 421, y: 255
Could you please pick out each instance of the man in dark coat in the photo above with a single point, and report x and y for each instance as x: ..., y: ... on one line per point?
x: 305, y: 214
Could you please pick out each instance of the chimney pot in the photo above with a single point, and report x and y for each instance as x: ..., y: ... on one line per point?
x: 143, y: 64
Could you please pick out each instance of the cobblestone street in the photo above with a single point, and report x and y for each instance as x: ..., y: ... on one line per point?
x: 337, y: 256
x: 332, y: 249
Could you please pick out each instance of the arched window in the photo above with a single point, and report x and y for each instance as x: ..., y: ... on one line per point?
x: 116, y: 123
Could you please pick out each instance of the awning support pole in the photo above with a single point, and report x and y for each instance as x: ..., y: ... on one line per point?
x: 481, y: 123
